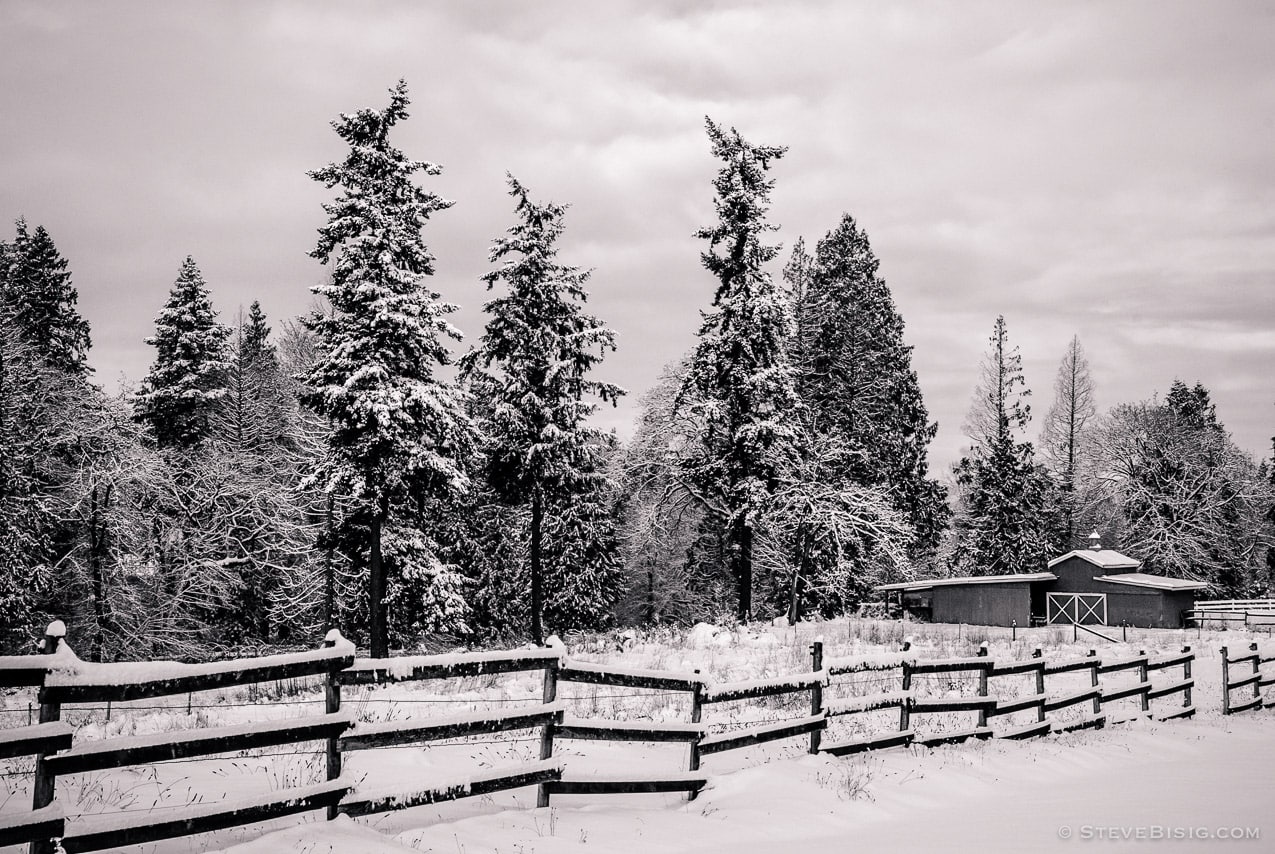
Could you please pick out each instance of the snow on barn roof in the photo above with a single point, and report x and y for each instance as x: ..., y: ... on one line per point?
x: 1105, y: 558
x: 1157, y: 582
x: 972, y: 579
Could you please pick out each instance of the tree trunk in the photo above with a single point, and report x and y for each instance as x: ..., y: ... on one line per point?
x: 97, y: 571
x: 329, y: 571
x: 800, y: 570
x: 377, y: 624
x: 537, y: 519
x: 742, y: 558
x: 650, y: 593
x: 794, y: 606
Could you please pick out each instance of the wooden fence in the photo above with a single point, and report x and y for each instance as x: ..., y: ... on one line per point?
x: 1251, y: 678
x: 64, y: 681
x: 988, y: 707
x: 1250, y: 613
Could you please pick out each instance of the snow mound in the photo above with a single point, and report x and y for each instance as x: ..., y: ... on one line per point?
x: 340, y: 836
x: 703, y: 636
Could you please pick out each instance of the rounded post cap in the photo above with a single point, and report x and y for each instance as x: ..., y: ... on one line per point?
x: 56, y: 629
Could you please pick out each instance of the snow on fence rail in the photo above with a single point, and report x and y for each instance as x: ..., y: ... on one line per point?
x: 69, y: 681
x: 911, y: 702
x: 416, y: 731
x: 46, y: 820
x: 64, y: 679
x: 1252, y: 678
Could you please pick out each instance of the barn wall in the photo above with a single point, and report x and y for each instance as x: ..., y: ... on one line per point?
x: 983, y: 604
x: 1076, y: 575
x: 1149, y: 608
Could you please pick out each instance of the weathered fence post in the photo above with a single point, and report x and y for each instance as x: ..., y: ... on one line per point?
x: 1093, y: 680
x: 1040, y: 683
x: 1144, y: 676
x: 697, y: 716
x: 43, y: 785
x: 1257, y: 672
x: 546, y: 734
x: 332, y: 705
x: 982, y: 684
x: 1226, y: 681
x: 905, y: 710
x: 816, y: 692
x: 1186, y: 674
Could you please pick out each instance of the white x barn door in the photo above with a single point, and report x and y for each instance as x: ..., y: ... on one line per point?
x: 1083, y: 608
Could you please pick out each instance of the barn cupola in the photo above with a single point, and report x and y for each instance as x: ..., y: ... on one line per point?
x: 1095, y: 542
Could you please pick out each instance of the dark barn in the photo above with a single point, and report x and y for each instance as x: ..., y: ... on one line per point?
x: 986, y: 600
x: 1093, y: 586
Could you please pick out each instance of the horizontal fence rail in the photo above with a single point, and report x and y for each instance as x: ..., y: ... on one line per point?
x: 977, y: 704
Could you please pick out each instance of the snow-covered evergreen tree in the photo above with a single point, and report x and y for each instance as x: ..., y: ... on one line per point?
x: 37, y: 294
x: 859, y: 386
x: 256, y: 411
x: 399, y: 430
x: 179, y: 397
x: 25, y: 521
x: 582, y: 548
x: 532, y: 371
x: 799, y: 280
x: 1007, y: 518
x: 740, y: 374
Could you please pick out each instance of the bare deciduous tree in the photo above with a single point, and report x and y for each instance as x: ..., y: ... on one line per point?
x: 1066, y: 436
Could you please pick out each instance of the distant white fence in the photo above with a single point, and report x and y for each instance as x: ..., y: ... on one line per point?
x: 1249, y: 612
x: 1254, y: 606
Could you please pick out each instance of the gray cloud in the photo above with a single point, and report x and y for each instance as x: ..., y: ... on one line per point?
x: 1092, y: 168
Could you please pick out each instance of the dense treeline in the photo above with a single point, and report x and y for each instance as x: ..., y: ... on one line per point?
x: 351, y: 468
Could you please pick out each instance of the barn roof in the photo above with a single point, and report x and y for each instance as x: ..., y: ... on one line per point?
x: 972, y: 579
x: 1156, y: 582
x: 1104, y: 558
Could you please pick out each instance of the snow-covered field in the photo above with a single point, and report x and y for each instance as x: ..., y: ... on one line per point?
x: 1182, y: 778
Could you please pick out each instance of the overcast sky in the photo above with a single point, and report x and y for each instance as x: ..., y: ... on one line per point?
x: 1101, y: 169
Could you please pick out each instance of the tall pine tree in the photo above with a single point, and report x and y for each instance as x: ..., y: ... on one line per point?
x: 859, y: 385
x: 1006, y: 524
x: 37, y: 295
x: 179, y: 397
x: 48, y: 429
x: 399, y: 429
x: 256, y: 412
x: 740, y: 379
x: 532, y: 370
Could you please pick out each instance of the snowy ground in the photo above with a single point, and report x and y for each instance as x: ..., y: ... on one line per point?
x: 1059, y: 794
x: 1169, y: 778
